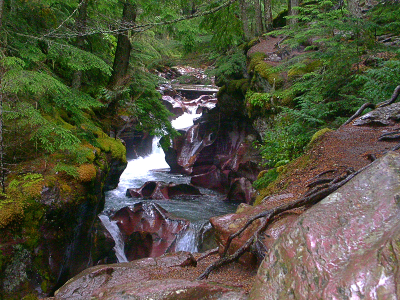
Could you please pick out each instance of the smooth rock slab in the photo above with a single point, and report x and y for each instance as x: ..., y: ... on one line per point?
x: 135, y: 280
x: 149, y: 230
x: 345, y: 247
x: 169, y: 289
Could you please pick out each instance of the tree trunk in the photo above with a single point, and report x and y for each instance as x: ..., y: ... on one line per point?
x: 245, y: 20
x: 258, y: 25
x: 354, y: 8
x: 2, y: 170
x: 1, y: 13
x: 268, y: 15
x: 81, y: 25
x: 124, y: 47
x: 293, y: 12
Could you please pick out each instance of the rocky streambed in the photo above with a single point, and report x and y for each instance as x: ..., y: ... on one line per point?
x: 344, y: 247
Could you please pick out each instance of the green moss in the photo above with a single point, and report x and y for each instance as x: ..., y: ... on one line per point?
x: 255, y: 59
x: 286, y: 96
x: 239, y: 85
x: 282, y: 180
x: 113, y: 146
x: 307, y: 66
x: 268, y: 72
x: 317, y: 135
x: 44, y: 286
x: 267, y: 177
x: 23, y: 190
x: 87, y: 172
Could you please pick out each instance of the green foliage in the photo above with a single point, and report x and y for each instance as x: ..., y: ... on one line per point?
x: 77, y: 59
x: 379, y: 83
x: 386, y: 17
x: 230, y: 67
x: 225, y: 26
x: 67, y: 169
x: 266, y: 179
x: 286, y: 140
x: 26, y: 181
x: 50, y: 136
x: 330, y: 84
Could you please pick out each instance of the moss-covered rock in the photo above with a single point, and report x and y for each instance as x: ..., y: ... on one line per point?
x: 306, y: 66
x: 46, y: 217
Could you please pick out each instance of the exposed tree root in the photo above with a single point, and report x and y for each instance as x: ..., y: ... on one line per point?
x: 359, y: 112
x: 392, y: 99
x: 373, y: 106
x: 207, y: 254
x: 320, y: 188
x: 390, y: 136
x: 268, y: 216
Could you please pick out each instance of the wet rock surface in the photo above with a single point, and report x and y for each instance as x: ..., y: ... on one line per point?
x: 158, y: 190
x: 217, y: 153
x: 138, y: 280
x: 229, y: 224
x: 149, y: 230
x: 345, y: 247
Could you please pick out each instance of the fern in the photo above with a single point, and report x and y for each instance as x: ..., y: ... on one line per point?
x: 68, y: 169
x: 47, y: 88
x: 48, y: 135
x: 77, y: 59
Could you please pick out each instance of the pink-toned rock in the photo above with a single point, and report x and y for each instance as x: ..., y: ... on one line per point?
x: 216, y: 155
x: 211, y: 180
x: 134, y: 280
x: 345, y: 247
x: 149, y: 229
x: 169, y: 289
x: 241, y: 190
x: 158, y: 190
x: 229, y: 224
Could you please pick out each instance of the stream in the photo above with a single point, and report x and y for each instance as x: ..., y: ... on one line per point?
x: 197, y: 209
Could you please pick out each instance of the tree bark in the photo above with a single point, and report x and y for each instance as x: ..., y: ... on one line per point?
x: 81, y: 25
x: 2, y: 170
x: 245, y: 20
x: 354, y: 8
x: 293, y: 12
x: 258, y: 25
x: 268, y: 15
x: 1, y: 13
x: 124, y: 47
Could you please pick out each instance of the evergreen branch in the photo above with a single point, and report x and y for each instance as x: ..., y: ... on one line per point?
x: 128, y: 27
x: 66, y: 20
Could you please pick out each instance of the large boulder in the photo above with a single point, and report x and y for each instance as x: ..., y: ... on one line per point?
x: 149, y: 230
x: 345, y: 247
x: 144, y: 279
x: 46, y: 232
x: 159, y: 190
x: 217, y: 152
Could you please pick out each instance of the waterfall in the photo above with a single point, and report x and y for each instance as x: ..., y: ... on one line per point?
x: 193, y: 237
x: 113, y: 229
x: 153, y: 167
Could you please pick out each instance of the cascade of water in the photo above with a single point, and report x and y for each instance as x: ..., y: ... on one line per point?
x: 113, y: 229
x: 196, y: 210
x: 192, y: 238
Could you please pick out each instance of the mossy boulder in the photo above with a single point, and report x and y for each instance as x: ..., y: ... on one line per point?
x: 307, y: 66
x: 264, y: 77
x: 46, y: 218
x: 231, y: 98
